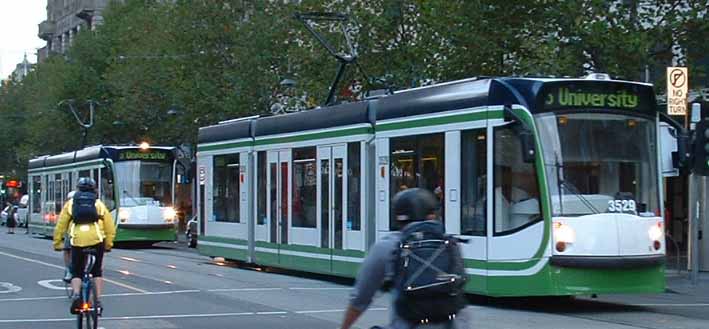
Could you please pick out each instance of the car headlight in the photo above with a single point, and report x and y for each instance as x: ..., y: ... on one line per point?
x: 655, y: 232
x: 169, y: 214
x: 123, y: 214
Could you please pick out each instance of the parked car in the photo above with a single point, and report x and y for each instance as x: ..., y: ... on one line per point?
x: 3, y: 215
x: 23, y: 211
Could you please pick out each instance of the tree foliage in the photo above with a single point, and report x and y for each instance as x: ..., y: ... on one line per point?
x: 162, y: 69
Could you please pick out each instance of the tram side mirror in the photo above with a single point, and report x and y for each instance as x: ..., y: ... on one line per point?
x: 524, y: 132
x: 529, y: 150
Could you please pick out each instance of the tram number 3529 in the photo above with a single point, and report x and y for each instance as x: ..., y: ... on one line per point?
x: 622, y: 206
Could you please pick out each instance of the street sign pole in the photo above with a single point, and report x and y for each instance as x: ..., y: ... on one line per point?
x: 697, y: 200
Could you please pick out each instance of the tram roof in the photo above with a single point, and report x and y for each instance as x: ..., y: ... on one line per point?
x: 85, y: 154
x: 448, y: 96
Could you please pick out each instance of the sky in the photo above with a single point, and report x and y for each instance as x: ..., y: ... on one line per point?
x: 18, y: 32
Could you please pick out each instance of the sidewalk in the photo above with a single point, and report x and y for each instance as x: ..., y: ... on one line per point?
x: 680, y: 283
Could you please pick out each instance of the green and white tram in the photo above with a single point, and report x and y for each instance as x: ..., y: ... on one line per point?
x: 136, y: 184
x: 555, y: 183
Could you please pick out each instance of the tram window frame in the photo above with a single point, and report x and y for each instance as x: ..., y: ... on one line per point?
x: 58, y: 195
x: 107, y: 188
x: 354, y: 187
x: 226, y: 188
x: 262, y: 192
x: 497, y: 182
x: 304, y: 187
x: 36, y: 194
x: 416, y: 149
x: 473, y: 182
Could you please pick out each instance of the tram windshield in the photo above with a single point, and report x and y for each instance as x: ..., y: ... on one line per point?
x: 600, y: 163
x: 143, y: 183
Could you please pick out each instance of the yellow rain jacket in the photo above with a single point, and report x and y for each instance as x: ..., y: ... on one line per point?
x: 85, y: 235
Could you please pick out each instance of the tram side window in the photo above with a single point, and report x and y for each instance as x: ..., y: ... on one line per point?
x: 58, y: 196
x: 516, y: 190
x: 36, y: 194
x: 107, y: 188
x: 417, y: 161
x: 473, y: 182
x: 354, y: 187
x: 261, y: 193
x: 226, y: 188
x: 304, y: 187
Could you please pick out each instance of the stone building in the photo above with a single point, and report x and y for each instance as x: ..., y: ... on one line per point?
x: 22, y: 70
x: 65, y: 18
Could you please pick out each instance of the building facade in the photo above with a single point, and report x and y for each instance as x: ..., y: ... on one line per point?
x: 65, y: 18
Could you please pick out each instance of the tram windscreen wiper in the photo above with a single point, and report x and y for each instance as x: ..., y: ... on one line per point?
x: 571, y: 188
x: 131, y: 197
x: 562, y: 184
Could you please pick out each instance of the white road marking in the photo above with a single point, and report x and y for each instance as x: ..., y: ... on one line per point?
x: 319, y: 311
x: 49, y: 284
x: 317, y: 288
x: 31, y: 298
x: 8, y: 288
x: 106, y: 295
x: 178, y: 316
x: 243, y: 289
x: 62, y: 268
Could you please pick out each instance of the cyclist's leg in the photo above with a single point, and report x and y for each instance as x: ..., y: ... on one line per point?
x: 77, y: 268
x: 97, y: 270
x: 67, y: 257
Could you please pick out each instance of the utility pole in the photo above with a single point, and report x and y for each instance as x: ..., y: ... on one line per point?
x: 697, y: 199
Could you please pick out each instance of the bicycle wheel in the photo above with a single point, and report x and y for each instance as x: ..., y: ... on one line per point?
x: 92, y: 315
x: 79, y: 320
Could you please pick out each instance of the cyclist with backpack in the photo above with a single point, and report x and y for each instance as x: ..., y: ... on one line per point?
x: 90, y: 226
x: 423, y: 264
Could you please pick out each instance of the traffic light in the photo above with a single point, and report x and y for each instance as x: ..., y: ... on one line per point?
x: 700, y: 164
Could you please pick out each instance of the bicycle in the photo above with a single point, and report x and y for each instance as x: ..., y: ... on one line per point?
x: 87, y: 310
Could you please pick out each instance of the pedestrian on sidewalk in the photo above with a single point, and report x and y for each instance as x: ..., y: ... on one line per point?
x: 12, y: 220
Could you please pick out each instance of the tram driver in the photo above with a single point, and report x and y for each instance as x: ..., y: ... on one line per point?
x: 516, y: 199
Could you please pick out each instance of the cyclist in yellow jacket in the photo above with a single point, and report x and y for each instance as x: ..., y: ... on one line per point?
x: 96, y: 233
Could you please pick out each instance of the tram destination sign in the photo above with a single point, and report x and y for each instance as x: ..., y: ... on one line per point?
x: 125, y: 155
x: 592, y: 95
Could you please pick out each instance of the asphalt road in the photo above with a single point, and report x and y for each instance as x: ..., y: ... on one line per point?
x: 173, y: 287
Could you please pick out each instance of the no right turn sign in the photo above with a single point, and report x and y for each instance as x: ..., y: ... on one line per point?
x: 677, y: 81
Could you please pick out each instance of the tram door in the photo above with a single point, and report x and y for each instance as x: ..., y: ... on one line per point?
x: 278, y: 197
x: 331, y: 199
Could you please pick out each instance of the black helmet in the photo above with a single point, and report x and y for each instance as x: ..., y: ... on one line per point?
x: 86, y: 184
x: 414, y: 204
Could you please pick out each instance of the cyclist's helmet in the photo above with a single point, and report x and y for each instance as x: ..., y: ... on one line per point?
x: 414, y: 204
x: 70, y: 195
x: 86, y: 184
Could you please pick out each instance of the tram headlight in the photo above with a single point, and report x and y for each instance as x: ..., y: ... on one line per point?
x: 123, y: 214
x: 169, y: 214
x: 655, y: 232
x: 564, y: 233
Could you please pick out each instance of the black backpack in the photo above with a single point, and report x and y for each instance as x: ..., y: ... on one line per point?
x: 83, y: 209
x: 430, y: 274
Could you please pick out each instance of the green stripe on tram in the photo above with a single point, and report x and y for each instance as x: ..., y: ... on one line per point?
x: 442, y: 120
x: 87, y: 164
x: 203, y: 148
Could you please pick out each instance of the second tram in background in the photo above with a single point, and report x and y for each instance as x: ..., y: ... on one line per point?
x: 137, y: 184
